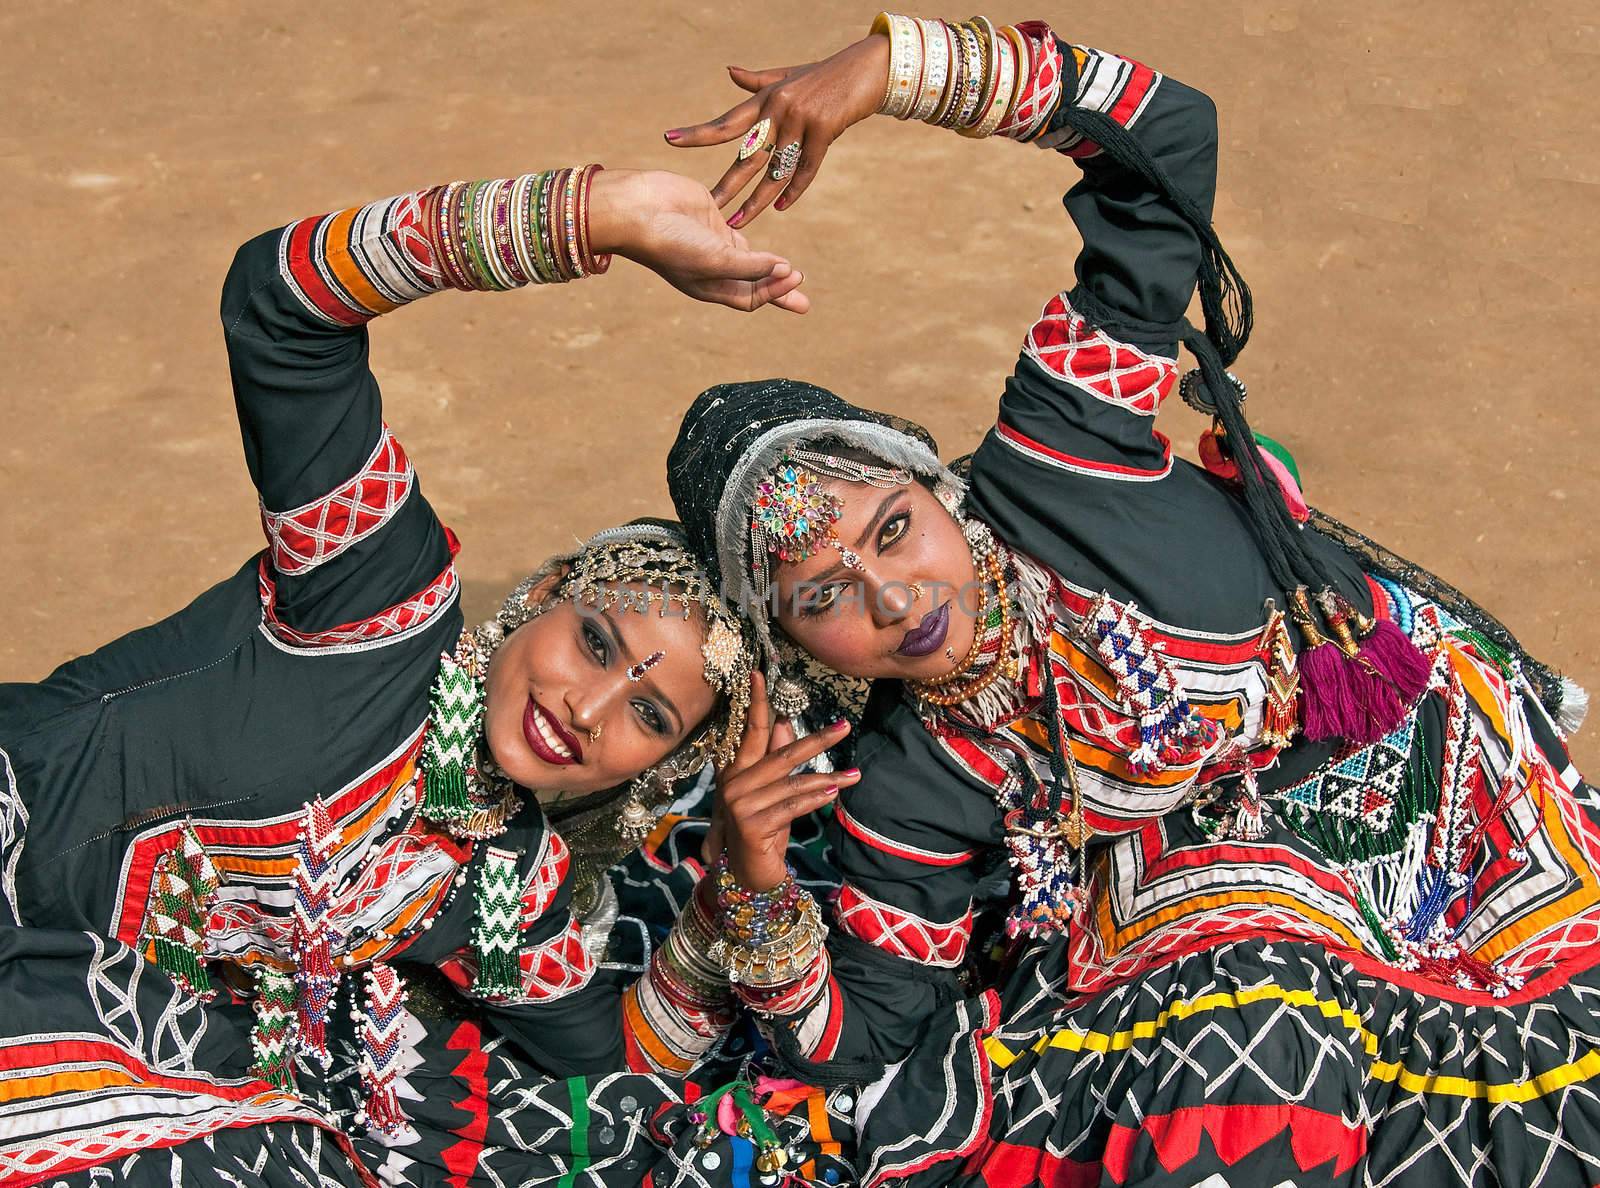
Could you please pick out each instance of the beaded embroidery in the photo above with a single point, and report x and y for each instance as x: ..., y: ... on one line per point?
x: 382, y: 1024
x: 316, y: 978
x: 186, y: 887
x: 273, y: 1034
x: 1170, y: 729
x: 498, y: 907
x: 459, y: 792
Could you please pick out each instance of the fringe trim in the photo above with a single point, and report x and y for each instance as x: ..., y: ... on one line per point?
x: 1574, y: 706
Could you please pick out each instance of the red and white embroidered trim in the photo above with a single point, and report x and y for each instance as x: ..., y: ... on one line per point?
x: 898, y: 849
x: 385, y: 627
x: 902, y: 933
x: 318, y: 531
x: 546, y: 877
x: 1037, y: 451
x: 1062, y: 342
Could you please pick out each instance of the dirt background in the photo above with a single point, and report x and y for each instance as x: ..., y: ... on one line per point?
x: 1412, y: 191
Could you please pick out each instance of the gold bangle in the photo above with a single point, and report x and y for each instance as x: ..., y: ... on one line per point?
x: 1002, y: 78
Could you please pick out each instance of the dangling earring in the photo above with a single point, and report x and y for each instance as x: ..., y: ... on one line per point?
x: 636, y: 821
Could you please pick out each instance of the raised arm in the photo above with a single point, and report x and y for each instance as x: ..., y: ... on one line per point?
x: 353, y: 550
x: 1102, y: 355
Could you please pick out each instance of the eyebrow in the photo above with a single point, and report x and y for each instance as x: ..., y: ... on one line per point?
x: 861, y: 541
x: 651, y: 686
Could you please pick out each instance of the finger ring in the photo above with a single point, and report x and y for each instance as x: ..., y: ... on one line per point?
x: 783, y: 164
x: 755, y: 140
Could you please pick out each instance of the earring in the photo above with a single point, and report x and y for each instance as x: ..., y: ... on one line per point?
x: 636, y: 821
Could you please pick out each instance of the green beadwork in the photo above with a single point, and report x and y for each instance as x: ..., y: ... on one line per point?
x: 453, y: 727
x: 497, y: 935
x: 275, y: 1015
x: 183, y: 964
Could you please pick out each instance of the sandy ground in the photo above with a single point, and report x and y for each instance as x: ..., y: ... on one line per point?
x: 1411, y: 190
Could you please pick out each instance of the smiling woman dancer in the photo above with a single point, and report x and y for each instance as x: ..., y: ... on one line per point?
x: 1301, y: 876
x: 281, y: 792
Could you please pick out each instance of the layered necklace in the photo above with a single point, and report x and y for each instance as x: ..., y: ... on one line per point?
x: 984, y: 685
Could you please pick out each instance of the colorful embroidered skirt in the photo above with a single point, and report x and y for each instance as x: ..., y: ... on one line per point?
x: 1254, y: 1063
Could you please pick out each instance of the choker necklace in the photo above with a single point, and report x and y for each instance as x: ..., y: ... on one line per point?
x: 991, y: 655
x: 464, y: 792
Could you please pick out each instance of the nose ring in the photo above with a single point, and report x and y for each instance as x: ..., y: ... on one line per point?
x: 595, y: 733
x: 915, y: 588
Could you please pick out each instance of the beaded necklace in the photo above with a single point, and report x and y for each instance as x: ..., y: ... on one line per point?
x: 993, y: 653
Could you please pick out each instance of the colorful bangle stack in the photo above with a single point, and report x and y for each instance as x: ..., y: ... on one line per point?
x: 509, y: 232
x: 683, y: 968
x: 972, y: 76
x: 768, y: 938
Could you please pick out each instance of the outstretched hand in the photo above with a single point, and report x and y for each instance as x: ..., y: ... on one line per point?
x: 760, y: 793
x: 671, y: 225
x: 809, y: 106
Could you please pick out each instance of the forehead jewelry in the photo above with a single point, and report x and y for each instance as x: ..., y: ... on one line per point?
x: 636, y: 671
x: 795, y: 512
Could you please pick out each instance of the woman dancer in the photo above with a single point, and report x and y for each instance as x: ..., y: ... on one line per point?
x: 282, y: 795
x: 1301, y: 876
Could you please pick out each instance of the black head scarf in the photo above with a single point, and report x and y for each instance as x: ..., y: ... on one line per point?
x: 734, y: 434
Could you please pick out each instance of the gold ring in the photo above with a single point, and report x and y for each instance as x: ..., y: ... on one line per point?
x: 755, y: 140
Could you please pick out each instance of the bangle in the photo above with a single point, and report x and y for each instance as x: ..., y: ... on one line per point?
x: 1019, y: 52
x: 755, y: 917
x: 996, y: 84
x: 997, y: 98
x: 936, y: 68
x: 904, y: 64
x: 972, y: 80
x: 594, y: 264
x: 990, y: 41
x: 778, y: 961
x: 944, y: 114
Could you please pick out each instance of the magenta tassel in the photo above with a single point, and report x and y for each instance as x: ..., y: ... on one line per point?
x: 1399, y: 660
x: 1331, y: 694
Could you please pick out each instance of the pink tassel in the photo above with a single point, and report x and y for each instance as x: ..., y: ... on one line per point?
x: 1396, y: 658
x: 1330, y: 694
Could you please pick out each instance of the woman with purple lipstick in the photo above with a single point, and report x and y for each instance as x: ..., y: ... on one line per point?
x: 1291, y: 873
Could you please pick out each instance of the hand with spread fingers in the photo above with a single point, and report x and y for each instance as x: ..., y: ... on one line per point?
x: 670, y: 225
x: 785, y: 128
x: 761, y: 792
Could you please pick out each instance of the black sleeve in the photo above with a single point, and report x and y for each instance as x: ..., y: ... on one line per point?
x: 349, y: 534
x: 1097, y: 364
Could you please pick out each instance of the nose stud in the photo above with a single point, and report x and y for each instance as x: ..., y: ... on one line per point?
x: 915, y: 588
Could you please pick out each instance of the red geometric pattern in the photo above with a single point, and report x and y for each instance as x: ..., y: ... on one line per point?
x: 546, y: 878
x: 557, y: 967
x: 315, y: 532
x: 1042, y: 92
x: 382, y: 627
x: 899, y: 932
x: 1089, y: 467
x: 1061, y: 341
